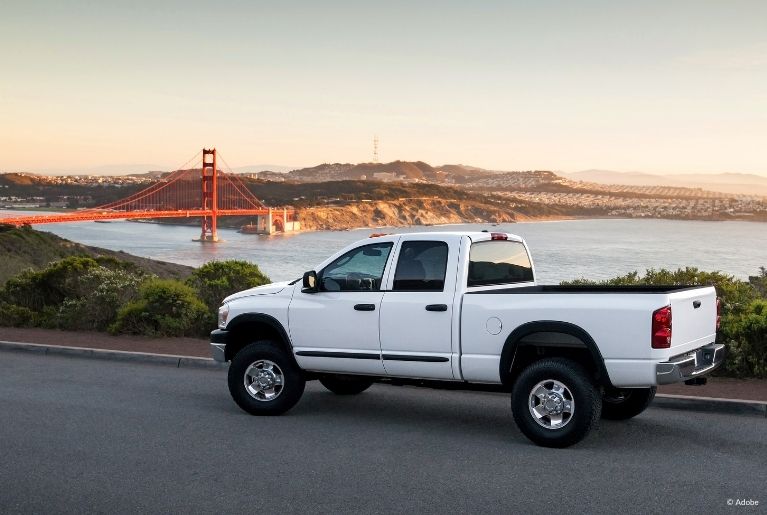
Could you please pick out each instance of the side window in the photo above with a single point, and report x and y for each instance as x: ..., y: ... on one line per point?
x: 360, y: 269
x: 498, y: 262
x: 421, y: 266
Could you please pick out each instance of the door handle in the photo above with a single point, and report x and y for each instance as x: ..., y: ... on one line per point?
x: 364, y: 307
x: 436, y: 307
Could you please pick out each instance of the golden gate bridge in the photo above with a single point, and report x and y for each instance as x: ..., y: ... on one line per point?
x: 202, y: 191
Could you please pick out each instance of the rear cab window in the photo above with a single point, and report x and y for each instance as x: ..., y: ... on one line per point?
x: 498, y: 262
x: 421, y: 266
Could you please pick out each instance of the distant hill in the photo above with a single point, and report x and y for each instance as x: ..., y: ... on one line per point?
x: 399, y: 169
x: 263, y: 168
x: 464, y: 171
x: 393, y: 171
x: 93, y: 170
x: 114, y: 169
x: 396, y: 170
x: 24, y: 248
x: 18, y: 179
x: 737, y: 183
x: 155, y: 174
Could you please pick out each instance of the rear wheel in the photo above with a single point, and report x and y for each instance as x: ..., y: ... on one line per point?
x: 623, y: 404
x: 346, y: 385
x: 555, y: 402
x: 264, y: 379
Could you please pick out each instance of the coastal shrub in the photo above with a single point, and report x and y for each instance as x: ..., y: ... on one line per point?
x: 759, y: 281
x: 746, y: 338
x: 218, y: 279
x: 50, y: 286
x: 103, y: 292
x: 164, y: 307
x: 12, y: 315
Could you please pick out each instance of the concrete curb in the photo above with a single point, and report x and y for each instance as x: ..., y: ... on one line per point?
x: 679, y: 402
x: 710, y: 404
x: 118, y: 355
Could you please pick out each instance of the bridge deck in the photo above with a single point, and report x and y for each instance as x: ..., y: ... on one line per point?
x: 91, y: 215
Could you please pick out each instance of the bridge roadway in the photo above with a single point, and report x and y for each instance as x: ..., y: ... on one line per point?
x: 92, y: 215
x: 84, y: 435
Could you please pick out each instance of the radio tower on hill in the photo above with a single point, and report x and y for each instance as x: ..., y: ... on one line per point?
x: 375, y: 149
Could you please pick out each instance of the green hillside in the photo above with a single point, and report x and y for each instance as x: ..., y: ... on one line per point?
x: 24, y: 248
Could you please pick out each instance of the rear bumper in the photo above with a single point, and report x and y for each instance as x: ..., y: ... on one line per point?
x: 694, y: 364
x: 218, y: 340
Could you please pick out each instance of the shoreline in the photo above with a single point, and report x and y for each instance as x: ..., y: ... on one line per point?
x: 519, y: 219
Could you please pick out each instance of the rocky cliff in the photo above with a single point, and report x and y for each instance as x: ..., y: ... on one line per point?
x: 404, y: 212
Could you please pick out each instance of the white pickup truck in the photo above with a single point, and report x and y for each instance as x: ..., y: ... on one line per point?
x: 463, y: 310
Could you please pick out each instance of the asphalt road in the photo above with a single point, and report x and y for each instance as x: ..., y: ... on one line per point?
x: 84, y: 435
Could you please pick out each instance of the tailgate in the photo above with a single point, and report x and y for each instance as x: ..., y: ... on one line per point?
x: 693, y: 318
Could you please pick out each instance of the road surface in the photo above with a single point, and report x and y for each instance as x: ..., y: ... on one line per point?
x: 85, y: 435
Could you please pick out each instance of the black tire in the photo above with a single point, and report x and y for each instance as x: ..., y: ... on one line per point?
x: 580, y: 390
x: 346, y: 385
x: 268, y: 356
x: 626, y: 403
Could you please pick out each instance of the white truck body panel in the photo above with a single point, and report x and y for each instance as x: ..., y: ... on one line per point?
x: 409, y: 334
x: 620, y: 324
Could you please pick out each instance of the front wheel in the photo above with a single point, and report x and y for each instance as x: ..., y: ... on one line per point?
x: 624, y: 404
x: 264, y: 380
x: 346, y: 385
x: 555, y: 402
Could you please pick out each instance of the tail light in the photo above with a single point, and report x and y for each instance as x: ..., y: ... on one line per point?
x: 718, y: 313
x: 661, y: 328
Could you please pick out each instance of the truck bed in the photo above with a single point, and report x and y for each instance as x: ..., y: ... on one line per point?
x: 617, y: 318
x: 553, y: 288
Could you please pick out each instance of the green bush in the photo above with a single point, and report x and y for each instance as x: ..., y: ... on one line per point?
x: 759, y: 282
x: 74, y: 293
x: 107, y: 291
x: 12, y: 315
x: 216, y: 280
x: 746, y: 338
x: 164, y: 307
x: 50, y: 286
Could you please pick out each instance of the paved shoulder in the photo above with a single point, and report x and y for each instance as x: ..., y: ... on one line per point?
x: 98, y: 435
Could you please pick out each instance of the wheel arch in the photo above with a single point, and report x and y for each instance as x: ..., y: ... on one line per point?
x: 561, y: 336
x: 249, y: 327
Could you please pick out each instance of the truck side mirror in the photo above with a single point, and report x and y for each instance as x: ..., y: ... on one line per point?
x: 310, y: 282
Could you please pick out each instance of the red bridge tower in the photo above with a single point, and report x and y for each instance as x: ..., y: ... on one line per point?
x: 209, y: 195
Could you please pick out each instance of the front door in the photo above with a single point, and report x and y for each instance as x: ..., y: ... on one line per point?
x: 417, y: 312
x: 336, y: 329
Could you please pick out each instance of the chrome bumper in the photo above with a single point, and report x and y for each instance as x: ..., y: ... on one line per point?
x: 694, y: 364
x: 218, y: 345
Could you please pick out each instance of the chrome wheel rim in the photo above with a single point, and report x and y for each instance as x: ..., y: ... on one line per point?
x: 551, y: 404
x: 264, y: 380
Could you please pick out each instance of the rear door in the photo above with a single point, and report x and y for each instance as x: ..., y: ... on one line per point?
x: 417, y: 308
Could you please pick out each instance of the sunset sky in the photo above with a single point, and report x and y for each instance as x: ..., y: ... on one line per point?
x: 651, y: 86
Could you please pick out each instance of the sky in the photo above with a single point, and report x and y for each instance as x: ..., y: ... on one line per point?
x: 652, y: 86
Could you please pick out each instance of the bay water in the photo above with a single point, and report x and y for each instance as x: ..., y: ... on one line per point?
x: 561, y: 250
